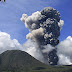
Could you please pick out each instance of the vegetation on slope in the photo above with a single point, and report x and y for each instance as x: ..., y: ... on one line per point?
x: 20, y: 61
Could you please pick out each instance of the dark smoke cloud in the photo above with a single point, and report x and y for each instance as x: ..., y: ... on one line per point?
x: 44, y: 27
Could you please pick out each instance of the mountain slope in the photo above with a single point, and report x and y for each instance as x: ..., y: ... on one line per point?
x: 20, y: 61
x: 17, y: 58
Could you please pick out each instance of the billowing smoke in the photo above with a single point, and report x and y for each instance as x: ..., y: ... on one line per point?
x: 44, y: 27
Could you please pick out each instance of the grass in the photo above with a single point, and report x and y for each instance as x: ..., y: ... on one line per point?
x: 40, y: 68
x: 19, y: 61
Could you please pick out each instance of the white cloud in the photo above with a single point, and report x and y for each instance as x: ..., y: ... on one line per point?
x: 64, y: 51
x: 31, y: 48
x: 6, y: 43
x: 64, y: 60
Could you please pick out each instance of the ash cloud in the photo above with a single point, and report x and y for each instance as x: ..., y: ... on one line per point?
x: 44, y: 27
x: 60, y: 24
x: 64, y: 48
x: 46, y: 22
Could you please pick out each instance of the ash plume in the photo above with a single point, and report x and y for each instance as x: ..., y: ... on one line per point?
x: 44, y: 27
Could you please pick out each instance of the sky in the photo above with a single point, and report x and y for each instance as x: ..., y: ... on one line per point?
x: 11, y: 12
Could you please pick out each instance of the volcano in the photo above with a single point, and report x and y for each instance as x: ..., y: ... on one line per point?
x: 20, y: 61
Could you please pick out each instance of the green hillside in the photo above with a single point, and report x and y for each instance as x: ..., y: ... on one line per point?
x: 20, y: 61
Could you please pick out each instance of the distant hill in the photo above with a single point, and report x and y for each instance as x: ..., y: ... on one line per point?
x: 20, y: 61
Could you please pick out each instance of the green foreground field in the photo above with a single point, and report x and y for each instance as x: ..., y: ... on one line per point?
x: 39, y: 68
x: 20, y: 61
